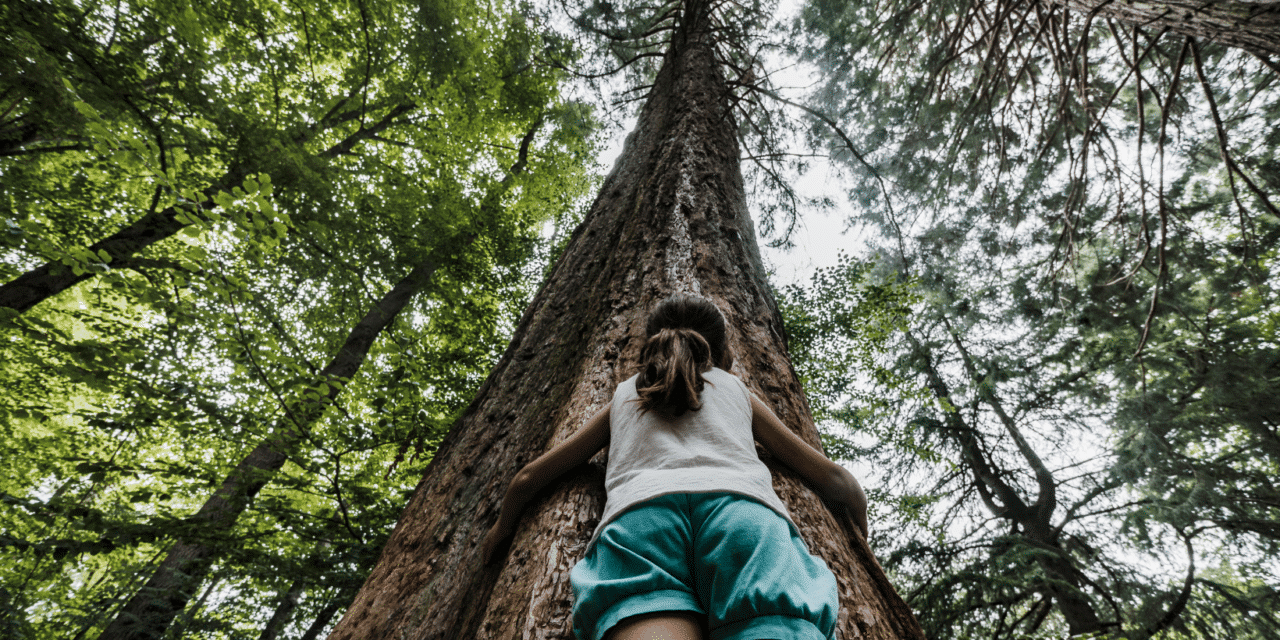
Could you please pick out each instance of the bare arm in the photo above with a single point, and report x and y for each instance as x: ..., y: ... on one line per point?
x: 537, y: 474
x: 832, y: 481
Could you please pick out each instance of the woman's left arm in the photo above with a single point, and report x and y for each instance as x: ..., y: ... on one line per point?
x: 832, y: 481
x: 537, y: 474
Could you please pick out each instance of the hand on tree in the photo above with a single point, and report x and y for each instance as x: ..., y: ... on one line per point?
x: 855, y: 502
x: 496, y: 536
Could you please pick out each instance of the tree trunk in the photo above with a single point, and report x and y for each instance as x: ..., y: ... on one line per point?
x: 1250, y: 25
x: 672, y: 216
x: 326, y: 614
x: 151, y: 610
x: 179, y: 629
x: 1003, y: 500
x: 284, y: 611
x: 167, y: 592
x: 52, y: 278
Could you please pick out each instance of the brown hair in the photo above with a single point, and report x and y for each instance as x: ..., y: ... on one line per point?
x: 686, y: 336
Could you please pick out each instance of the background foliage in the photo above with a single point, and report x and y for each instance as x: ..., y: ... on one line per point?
x: 1086, y: 208
x: 312, y: 155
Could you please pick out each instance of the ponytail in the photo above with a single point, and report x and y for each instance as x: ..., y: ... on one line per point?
x: 673, y: 362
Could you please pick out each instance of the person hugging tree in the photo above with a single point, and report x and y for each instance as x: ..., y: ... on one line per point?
x: 694, y: 544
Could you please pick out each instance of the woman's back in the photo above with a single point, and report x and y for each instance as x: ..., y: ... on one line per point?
x: 707, y: 450
x: 693, y: 534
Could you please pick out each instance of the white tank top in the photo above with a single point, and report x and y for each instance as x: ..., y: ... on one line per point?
x: 704, y: 451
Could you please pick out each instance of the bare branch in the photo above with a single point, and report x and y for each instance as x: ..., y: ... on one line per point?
x: 1046, y: 499
x: 1232, y: 166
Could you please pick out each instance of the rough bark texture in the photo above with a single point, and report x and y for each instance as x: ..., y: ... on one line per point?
x: 150, y: 611
x: 1250, y: 25
x: 671, y: 217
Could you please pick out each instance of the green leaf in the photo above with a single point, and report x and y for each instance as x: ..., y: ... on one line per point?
x: 224, y: 199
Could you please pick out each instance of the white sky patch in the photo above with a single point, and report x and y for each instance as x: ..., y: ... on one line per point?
x: 819, y: 237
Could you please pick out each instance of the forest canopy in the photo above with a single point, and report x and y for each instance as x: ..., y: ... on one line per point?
x: 259, y: 256
x: 273, y: 249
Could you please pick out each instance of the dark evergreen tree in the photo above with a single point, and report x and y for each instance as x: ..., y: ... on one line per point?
x: 1088, y: 209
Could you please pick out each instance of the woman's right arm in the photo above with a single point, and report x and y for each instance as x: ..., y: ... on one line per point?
x: 537, y: 474
x: 833, y: 482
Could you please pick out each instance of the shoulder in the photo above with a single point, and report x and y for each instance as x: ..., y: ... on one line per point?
x: 626, y: 389
x: 716, y: 374
x: 730, y: 382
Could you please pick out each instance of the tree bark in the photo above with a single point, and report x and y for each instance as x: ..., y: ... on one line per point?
x: 150, y: 611
x: 1253, y: 26
x: 672, y: 216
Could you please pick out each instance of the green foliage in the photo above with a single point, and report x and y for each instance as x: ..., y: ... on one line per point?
x: 313, y: 155
x: 1095, y: 328
x: 839, y: 332
x: 842, y: 323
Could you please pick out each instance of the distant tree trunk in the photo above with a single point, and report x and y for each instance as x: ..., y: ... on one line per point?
x: 284, y: 611
x: 179, y: 628
x: 671, y: 217
x: 149, y: 612
x: 52, y: 278
x: 1032, y: 521
x: 326, y: 614
x: 1250, y: 25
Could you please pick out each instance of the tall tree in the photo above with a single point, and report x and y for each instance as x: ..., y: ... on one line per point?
x: 672, y: 216
x: 183, y: 124
x: 150, y: 611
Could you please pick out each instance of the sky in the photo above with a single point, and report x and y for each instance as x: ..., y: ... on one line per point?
x: 819, y: 236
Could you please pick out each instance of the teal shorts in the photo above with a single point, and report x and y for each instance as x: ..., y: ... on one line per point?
x: 719, y: 554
